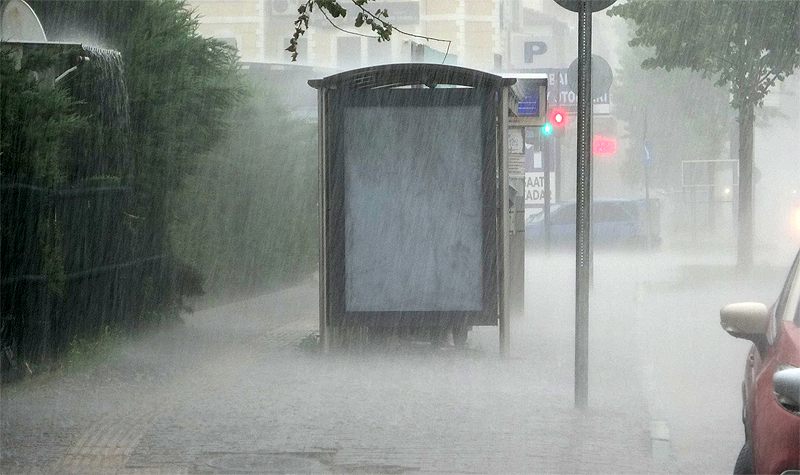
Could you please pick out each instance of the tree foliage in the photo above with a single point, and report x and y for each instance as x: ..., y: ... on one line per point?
x: 680, y: 115
x: 247, y: 217
x: 377, y: 21
x: 747, y: 46
x: 744, y: 45
x: 92, y: 163
x: 37, y: 121
x: 181, y: 85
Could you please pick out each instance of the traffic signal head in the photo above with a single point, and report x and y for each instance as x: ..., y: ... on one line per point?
x: 558, y: 117
x: 547, y: 129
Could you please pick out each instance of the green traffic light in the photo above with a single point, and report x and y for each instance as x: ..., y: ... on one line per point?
x: 547, y: 129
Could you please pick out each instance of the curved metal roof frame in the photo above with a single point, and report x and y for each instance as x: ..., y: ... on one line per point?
x: 410, y: 74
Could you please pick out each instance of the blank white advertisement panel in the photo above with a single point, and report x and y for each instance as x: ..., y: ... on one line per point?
x: 412, y: 208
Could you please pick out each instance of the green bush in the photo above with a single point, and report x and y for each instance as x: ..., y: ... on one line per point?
x: 37, y: 120
x: 247, y: 217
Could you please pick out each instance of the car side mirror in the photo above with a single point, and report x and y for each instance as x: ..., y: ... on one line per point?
x: 748, y: 320
x: 786, y: 384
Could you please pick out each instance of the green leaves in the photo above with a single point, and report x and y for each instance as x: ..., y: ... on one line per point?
x: 746, y: 45
x: 679, y: 113
x: 332, y: 9
x: 300, y: 26
x: 38, y: 120
x: 246, y: 218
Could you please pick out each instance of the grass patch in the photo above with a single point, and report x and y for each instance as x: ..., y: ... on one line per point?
x: 82, y: 352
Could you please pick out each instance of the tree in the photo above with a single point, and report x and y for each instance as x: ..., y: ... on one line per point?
x: 247, y: 217
x: 746, y: 46
x: 669, y: 120
x: 180, y: 87
x: 36, y: 121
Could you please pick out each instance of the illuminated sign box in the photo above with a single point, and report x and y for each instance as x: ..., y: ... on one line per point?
x: 530, y: 92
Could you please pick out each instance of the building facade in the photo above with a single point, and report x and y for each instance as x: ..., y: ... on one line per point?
x: 494, y: 35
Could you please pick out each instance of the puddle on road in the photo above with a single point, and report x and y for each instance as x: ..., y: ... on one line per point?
x: 292, y: 462
x: 273, y: 462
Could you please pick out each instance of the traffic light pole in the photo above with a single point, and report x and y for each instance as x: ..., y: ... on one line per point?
x: 547, y: 153
x: 583, y: 254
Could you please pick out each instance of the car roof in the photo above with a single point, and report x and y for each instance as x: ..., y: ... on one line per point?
x: 608, y: 200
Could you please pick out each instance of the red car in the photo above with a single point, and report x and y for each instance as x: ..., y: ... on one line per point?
x: 771, y: 387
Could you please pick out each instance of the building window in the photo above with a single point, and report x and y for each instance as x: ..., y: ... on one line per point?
x: 379, y: 53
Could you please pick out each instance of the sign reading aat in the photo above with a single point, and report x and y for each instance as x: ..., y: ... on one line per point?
x: 534, y: 188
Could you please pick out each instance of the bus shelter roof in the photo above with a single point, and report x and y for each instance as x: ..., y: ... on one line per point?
x: 410, y: 74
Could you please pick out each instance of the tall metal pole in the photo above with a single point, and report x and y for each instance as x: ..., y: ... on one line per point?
x: 583, y: 255
x: 547, y: 153
x: 646, y: 153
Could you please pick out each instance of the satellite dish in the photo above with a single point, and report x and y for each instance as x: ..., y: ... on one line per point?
x: 18, y: 22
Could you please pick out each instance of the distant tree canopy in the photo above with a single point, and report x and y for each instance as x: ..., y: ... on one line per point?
x: 247, y: 217
x: 746, y: 46
x: 680, y: 115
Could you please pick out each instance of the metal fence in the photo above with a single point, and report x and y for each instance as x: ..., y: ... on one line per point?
x: 71, y: 265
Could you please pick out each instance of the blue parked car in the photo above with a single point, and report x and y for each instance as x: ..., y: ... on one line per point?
x: 614, y: 222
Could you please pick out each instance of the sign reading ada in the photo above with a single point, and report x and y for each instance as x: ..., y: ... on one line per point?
x: 534, y: 188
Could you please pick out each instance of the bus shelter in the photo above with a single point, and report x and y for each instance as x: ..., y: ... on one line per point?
x: 414, y: 201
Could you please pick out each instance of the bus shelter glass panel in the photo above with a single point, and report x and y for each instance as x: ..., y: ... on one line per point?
x: 415, y: 190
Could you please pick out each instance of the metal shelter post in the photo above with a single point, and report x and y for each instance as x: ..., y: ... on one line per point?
x: 502, y: 147
x: 322, y: 208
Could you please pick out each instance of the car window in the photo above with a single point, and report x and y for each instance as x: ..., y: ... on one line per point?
x: 564, y: 215
x: 786, y: 308
x: 797, y: 315
x: 611, y: 213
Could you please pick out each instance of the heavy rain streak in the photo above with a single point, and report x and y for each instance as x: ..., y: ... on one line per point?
x: 385, y: 236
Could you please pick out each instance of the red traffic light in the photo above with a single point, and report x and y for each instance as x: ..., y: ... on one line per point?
x: 604, y: 146
x: 558, y: 117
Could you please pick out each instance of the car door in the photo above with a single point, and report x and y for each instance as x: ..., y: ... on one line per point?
x: 562, y: 224
x: 762, y: 411
x: 612, y: 224
x: 762, y: 364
